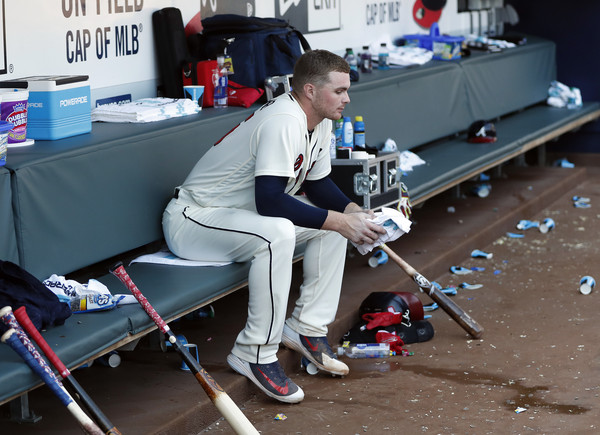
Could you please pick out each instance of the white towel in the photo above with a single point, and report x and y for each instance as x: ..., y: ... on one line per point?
x: 395, y: 224
x: 146, y: 110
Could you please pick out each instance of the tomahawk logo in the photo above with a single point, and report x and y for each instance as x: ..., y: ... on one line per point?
x: 481, y: 132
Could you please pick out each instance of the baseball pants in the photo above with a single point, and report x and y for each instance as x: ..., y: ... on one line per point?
x: 225, y: 234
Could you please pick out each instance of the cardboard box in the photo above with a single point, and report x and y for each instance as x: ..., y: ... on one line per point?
x: 58, y: 106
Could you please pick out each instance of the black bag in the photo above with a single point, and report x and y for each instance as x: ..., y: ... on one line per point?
x: 19, y: 288
x: 259, y: 47
x: 171, y: 50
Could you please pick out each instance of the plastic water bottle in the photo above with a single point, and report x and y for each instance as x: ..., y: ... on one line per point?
x: 366, y: 61
x: 332, y: 147
x: 365, y: 350
x: 383, y: 57
x: 347, y: 133
x: 339, y: 124
x: 220, y: 82
x: 359, y: 132
x: 351, y: 59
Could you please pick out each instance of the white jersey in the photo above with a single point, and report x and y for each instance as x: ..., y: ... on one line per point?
x: 273, y: 141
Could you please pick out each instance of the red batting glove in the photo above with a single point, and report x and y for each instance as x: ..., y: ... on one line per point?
x: 382, y: 319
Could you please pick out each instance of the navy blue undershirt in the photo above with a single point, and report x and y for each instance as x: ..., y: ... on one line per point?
x: 271, y: 200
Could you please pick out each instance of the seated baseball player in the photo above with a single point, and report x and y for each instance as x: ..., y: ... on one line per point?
x: 239, y: 204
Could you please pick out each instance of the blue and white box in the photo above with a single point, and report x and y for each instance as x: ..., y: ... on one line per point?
x: 59, y: 106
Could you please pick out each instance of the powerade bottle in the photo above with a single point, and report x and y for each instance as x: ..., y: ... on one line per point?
x: 220, y: 82
x: 347, y: 133
x: 383, y: 57
x: 366, y: 62
x: 359, y: 132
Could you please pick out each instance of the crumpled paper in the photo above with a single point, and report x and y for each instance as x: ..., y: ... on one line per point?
x: 395, y: 224
x: 408, y: 160
x: 561, y: 95
x: 92, y: 296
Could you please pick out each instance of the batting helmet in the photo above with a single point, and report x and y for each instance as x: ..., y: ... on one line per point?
x: 481, y: 132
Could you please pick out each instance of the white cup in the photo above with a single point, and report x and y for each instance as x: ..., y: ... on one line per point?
x: 194, y: 93
x: 586, y: 284
x: 547, y: 225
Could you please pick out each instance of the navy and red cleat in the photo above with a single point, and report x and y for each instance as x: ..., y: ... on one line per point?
x: 270, y: 378
x: 316, y: 350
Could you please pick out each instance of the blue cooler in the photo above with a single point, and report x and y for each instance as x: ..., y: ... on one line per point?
x: 58, y: 106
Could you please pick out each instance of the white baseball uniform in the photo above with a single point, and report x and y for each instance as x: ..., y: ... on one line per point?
x: 214, y: 218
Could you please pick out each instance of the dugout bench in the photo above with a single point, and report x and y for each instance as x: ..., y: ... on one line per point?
x: 76, y: 202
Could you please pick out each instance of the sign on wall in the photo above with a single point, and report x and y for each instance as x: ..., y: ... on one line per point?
x: 208, y: 8
x: 310, y: 16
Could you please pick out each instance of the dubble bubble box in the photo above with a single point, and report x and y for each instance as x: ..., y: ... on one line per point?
x: 59, y: 106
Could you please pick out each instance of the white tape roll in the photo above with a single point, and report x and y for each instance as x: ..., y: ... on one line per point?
x: 359, y: 155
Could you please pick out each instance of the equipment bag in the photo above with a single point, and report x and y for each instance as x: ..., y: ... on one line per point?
x: 259, y: 47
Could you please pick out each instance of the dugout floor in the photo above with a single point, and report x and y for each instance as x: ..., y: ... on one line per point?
x: 535, y: 370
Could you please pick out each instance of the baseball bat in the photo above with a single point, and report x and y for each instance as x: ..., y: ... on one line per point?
x: 448, y: 305
x: 222, y: 401
x: 97, y: 415
x: 40, y: 368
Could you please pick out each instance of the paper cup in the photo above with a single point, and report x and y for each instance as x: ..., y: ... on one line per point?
x: 378, y: 258
x: 547, y: 225
x: 586, y: 284
x: 194, y: 93
x: 192, y: 348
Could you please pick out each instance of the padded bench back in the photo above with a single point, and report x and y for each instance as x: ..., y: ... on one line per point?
x: 413, y: 106
x: 87, y: 198
x: 417, y: 105
x: 502, y: 83
x: 8, y: 240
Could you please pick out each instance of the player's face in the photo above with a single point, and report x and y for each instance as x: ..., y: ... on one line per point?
x: 331, y: 98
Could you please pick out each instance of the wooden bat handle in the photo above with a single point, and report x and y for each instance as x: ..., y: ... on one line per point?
x: 448, y: 305
x: 234, y: 416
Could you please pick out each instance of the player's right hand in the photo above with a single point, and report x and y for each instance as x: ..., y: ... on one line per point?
x: 359, y: 229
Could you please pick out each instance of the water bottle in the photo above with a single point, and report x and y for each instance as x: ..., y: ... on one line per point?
x: 332, y: 147
x: 347, y: 133
x: 366, y: 62
x: 339, y: 124
x: 365, y: 350
x: 351, y: 59
x: 220, y: 82
x: 383, y: 57
x: 359, y: 132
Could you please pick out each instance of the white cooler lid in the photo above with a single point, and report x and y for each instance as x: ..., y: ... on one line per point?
x: 47, y: 83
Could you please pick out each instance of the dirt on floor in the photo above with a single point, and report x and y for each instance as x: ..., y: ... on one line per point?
x: 536, y: 368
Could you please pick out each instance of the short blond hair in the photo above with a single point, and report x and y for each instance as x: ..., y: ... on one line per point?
x: 314, y: 67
